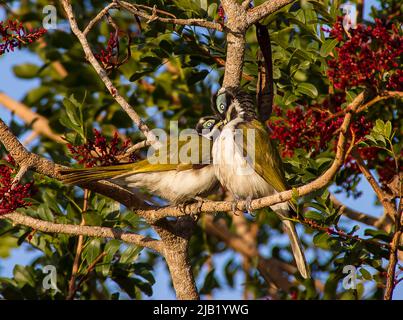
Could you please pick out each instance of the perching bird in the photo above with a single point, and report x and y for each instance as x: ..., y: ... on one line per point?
x: 166, y: 173
x: 252, y: 168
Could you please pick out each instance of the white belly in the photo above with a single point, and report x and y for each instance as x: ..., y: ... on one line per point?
x: 236, y: 171
x: 175, y: 186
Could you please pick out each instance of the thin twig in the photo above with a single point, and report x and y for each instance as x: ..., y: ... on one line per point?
x: 98, y: 17
x: 79, y: 249
x: 389, y: 208
x: 135, y: 9
x: 87, y: 272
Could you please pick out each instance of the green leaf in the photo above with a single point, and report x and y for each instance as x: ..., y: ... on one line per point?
x: 388, y: 129
x: 327, y: 47
x: 209, y: 283
x: 26, y: 70
x: 130, y: 254
x: 92, y: 250
x: 22, y: 276
x: 313, y: 215
x: 308, y: 89
x: 321, y: 240
x: 111, y: 248
x: 139, y: 74
x: 212, y: 10
x: 151, y: 60
x: 365, y: 274
x: 197, y: 76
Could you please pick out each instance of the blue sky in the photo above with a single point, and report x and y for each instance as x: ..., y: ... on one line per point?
x: 17, y: 88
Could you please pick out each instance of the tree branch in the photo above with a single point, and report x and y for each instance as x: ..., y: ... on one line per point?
x: 134, y: 9
x: 389, y: 208
x: 90, y: 231
x: 236, y: 27
x: 98, y: 17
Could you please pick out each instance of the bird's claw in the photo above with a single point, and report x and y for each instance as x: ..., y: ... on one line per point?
x: 248, y: 206
x: 234, y: 206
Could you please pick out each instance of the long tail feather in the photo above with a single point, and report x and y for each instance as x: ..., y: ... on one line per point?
x: 84, y: 175
x: 297, y: 249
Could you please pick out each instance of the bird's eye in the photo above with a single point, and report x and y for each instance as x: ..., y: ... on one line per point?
x: 221, y: 108
x: 208, y: 124
x: 221, y: 104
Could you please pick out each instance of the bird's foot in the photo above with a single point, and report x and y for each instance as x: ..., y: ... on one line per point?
x: 234, y: 205
x: 195, y: 215
x: 200, y: 202
x: 248, y: 206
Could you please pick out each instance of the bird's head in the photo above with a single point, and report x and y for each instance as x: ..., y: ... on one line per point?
x: 232, y: 103
x: 209, y: 126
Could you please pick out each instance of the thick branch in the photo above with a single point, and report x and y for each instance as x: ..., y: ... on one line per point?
x: 90, y: 231
x: 236, y: 29
x: 102, y: 74
x: 390, y: 277
x: 389, y: 208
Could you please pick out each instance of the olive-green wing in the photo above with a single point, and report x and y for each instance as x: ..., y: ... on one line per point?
x: 268, y: 163
x: 191, y: 153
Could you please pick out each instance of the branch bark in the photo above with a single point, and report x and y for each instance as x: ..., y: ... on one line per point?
x: 90, y: 231
x: 134, y: 9
x: 389, y: 208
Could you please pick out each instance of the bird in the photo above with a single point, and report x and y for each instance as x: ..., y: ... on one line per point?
x: 251, y: 170
x: 185, y: 173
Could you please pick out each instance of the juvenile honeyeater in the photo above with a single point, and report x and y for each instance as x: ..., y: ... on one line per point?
x: 171, y: 179
x: 247, y: 163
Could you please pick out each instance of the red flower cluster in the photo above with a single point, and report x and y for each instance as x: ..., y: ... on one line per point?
x: 108, y: 56
x: 98, y: 151
x: 221, y: 14
x: 14, y: 197
x: 367, y: 56
x: 14, y: 35
x: 308, y: 130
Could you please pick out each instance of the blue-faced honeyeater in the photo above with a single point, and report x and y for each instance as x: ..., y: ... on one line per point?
x: 173, y: 180
x: 257, y: 174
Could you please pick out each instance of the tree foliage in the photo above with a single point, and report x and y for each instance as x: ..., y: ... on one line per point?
x: 168, y: 72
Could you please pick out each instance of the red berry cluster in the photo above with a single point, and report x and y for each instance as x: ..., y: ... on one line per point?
x: 108, y: 57
x: 98, y: 151
x: 14, y: 35
x: 221, y: 14
x: 367, y: 56
x: 307, y: 130
x: 13, y: 197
